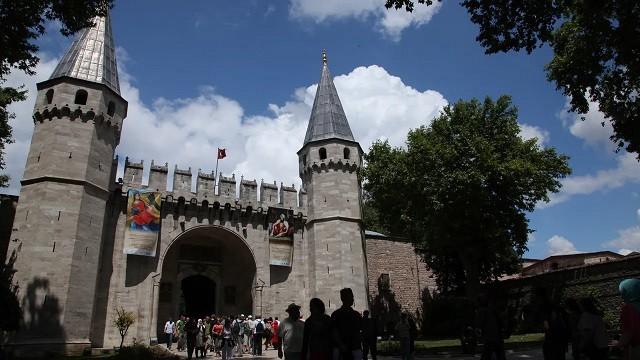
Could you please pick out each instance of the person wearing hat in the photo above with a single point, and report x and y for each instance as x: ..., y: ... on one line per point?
x: 290, y: 334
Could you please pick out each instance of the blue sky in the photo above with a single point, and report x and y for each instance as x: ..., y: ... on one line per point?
x: 241, y: 75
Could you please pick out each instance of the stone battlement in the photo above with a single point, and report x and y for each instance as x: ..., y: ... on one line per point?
x: 250, y: 194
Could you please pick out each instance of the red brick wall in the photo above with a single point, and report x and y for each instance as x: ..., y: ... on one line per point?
x: 408, y: 274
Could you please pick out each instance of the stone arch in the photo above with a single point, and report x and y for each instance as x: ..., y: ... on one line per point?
x: 215, y: 252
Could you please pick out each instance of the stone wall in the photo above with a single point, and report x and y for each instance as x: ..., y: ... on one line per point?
x: 408, y: 278
x: 8, y: 204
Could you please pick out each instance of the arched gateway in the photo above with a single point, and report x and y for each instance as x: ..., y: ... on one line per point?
x: 208, y: 269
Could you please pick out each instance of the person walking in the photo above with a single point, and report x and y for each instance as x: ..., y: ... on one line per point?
x: 403, y: 332
x: 191, y: 330
x: 268, y: 333
x: 248, y: 334
x: 573, y: 317
x: 594, y: 342
x: 488, y: 321
x: 630, y: 319
x: 290, y: 335
x: 218, y: 329
x: 555, y: 334
x: 168, y: 332
x: 274, y: 329
x: 227, y: 340
x: 200, y: 339
x: 237, y: 332
x: 347, y: 324
x: 258, y: 331
x: 317, y: 342
x: 180, y: 333
x: 369, y: 336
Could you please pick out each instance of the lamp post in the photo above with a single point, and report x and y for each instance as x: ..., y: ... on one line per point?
x: 259, y: 288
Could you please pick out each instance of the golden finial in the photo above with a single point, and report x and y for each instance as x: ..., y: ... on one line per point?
x: 324, y: 57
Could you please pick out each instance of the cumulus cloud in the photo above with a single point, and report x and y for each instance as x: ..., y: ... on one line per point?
x: 626, y: 171
x: 530, y: 132
x: 187, y: 131
x: 595, y: 130
x: 559, y: 245
x: 22, y: 124
x: 390, y: 22
x: 628, y: 239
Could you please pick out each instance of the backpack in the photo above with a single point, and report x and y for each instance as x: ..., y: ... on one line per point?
x: 259, y: 327
x: 236, y: 328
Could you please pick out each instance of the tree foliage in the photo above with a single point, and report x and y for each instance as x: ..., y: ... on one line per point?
x: 123, y: 320
x: 12, y: 313
x: 461, y: 190
x: 21, y: 24
x: 596, y: 47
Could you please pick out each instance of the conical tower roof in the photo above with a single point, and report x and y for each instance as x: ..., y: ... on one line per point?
x: 327, y: 120
x: 92, y: 56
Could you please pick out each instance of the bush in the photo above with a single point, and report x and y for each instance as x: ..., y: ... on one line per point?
x: 447, y: 316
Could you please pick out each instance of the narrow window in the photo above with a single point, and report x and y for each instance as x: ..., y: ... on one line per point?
x: 81, y: 97
x: 49, y: 96
x: 323, y: 153
x: 54, y: 247
x: 111, y: 108
x: 347, y: 153
x: 304, y: 159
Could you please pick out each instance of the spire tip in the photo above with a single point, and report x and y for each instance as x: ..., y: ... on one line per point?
x: 324, y: 57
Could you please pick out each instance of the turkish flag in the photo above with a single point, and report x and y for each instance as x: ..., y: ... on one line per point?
x: 222, y: 153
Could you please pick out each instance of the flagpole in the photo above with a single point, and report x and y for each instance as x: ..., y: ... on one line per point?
x: 216, y: 176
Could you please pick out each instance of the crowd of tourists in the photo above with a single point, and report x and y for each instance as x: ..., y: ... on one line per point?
x: 576, y: 327
x: 345, y: 334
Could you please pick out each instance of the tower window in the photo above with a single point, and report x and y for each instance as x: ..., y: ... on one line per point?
x: 81, y: 97
x: 304, y: 159
x: 111, y: 108
x: 347, y: 153
x: 49, y: 96
x: 323, y: 153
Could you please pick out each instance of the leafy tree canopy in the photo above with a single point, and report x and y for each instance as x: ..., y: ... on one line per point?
x: 21, y: 24
x: 461, y: 189
x: 596, y: 47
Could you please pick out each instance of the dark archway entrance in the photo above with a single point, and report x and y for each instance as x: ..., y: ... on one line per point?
x: 199, y: 294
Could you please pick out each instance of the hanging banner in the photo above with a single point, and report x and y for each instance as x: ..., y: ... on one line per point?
x: 143, y: 222
x: 280, y: 224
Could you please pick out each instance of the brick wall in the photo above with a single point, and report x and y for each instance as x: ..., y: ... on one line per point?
x: 408, y: 278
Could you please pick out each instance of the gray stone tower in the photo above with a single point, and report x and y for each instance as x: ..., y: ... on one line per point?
x: 329, y: 161
x: 68, y: 177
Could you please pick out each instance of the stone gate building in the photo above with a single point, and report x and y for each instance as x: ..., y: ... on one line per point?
x: 69, y: 248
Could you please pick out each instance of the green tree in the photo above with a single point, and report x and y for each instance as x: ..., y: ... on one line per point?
x: 11, y: 311
x: 21, y: 24
x: 596, y: 47
x: 461, y: 189
x: 123, y: 320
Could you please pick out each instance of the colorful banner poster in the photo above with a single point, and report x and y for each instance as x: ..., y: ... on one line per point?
x: 143, y: 222
x: 281, y: 229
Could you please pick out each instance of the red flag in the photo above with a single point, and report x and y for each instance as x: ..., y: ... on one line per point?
x: 222, y: 153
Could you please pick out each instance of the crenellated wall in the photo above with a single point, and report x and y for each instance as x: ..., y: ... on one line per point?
x: 239, y: 194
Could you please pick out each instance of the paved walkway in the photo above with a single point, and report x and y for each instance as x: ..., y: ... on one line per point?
x: 525, y: 354
x: 268, y: 354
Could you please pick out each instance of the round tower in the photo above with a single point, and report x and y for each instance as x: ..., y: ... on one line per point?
x: 69, y: 174
x: 329, y: 161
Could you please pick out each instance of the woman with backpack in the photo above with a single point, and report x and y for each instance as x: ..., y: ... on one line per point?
x: 630, y: 319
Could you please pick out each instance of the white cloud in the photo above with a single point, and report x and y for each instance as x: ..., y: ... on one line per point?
x: 16, y: 153
x: 591, y: 129
x: 624, y: 252
x: 559, y: 245
x: 628, y: 240
x: 626, y: 171
x: 187, y: 131
x: 390, y: 22
x: 529, y: 132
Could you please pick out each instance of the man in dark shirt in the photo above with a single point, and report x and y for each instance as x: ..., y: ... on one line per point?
x: 347, y: 324
x: 369, y: 336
